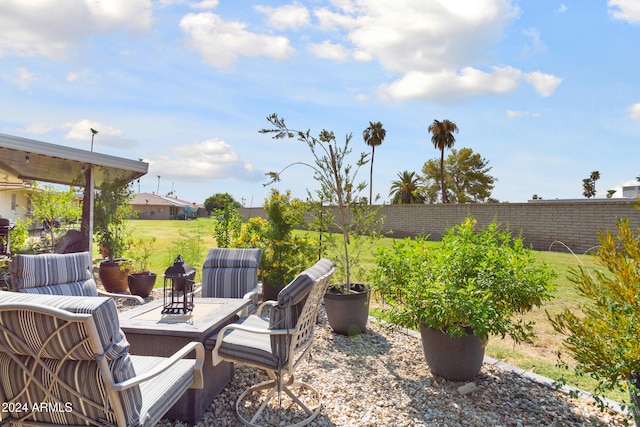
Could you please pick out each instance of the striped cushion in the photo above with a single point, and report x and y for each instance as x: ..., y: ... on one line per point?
x: 53, y: 274
x: 159, y: 395
x: 291, y: 300
x: 230, y: 272
x: 233, y: 257
x: 63, y: 348
x: 266, y: 350
x: 104, y: 313
x: 82, y: 376
x: 250, y: 347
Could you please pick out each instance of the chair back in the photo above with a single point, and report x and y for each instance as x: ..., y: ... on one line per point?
x: 297, y: 309
x: 230, y: 272
x: 53, y: 274
x: 64, y: 353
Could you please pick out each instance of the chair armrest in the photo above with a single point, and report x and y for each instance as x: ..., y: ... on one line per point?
x: 197, y: 290
x: 112, y: 295
x: 263, y: 305
x: 216, y: 359
x: 168, y: 363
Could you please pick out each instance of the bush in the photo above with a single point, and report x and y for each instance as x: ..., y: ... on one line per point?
x: 478, y: 279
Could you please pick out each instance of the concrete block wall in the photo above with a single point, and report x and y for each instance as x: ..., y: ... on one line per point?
x: 575, y: 223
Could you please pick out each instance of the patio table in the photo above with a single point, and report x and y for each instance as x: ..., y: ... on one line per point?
x: 150, y: 333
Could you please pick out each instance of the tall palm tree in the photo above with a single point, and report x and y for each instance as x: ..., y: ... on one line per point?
x: 373, y: 136
x: 406, y: 190
x: 443, y: 138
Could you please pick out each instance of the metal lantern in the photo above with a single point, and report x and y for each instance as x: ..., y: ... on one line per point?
x: 178, y: 287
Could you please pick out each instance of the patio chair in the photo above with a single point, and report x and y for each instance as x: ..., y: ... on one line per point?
x: 278, y: 344
x: 58, y: 274
x: 65, y: 361
x: 232, y: 273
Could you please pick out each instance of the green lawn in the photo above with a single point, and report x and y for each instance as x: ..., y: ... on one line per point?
x: 540, y: 356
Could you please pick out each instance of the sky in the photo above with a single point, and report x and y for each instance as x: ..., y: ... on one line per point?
x: 546, y: 91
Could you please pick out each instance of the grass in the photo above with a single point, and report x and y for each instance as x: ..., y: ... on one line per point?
x: 540, y: 356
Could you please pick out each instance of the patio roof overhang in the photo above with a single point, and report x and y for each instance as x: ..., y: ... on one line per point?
x: 28, y: 159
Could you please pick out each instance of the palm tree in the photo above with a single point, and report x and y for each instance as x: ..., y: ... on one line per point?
x: 443, y: 138
x: 406, y: 190
x: 373, y: 136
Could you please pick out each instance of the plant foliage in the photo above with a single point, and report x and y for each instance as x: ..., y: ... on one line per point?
x: 478, y: 279
x: 350, y: 214
x: 112, y: 209
x: 604, y: 336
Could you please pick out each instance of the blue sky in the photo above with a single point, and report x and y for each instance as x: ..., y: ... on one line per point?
x: 546, y: 91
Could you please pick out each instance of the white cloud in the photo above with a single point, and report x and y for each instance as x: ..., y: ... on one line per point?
x: 625, y: 10
x: 536, y: 42
x: 449, y: 84
x: 562, y: 8
x: 432, y: 45
x: 329, y: 50
x: 513, y: 114
x: 54, y: 26
x: 221, y: 42
x: 634, y: 111
x: 23, y: 78
x: 545, y: 84
x: 72, y: 77
x: 291, y: 16
x: 204, y: 4
x: 208, y: 160
x: 38, y: 128
x: 81, y: 131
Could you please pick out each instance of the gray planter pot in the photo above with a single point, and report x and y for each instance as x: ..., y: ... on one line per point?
x: 348, y: 313
x: 455, y: 359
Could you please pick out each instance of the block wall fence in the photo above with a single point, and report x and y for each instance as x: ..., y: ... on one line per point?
x: 541, y: 223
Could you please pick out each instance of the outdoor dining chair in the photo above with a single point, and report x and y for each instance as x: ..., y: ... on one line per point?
x: 57, y: 274
x: 277, y: 345
x: 65, y: 361
x: 232, y: 273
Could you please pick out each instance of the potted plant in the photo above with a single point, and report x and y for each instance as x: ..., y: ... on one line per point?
x: 111, y: 211
x: 349, y: 214
x: 459, y: 292
x: 141, y: 281
x: 603, y: 336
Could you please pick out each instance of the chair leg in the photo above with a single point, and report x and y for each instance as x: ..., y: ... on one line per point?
x: 288, y: 387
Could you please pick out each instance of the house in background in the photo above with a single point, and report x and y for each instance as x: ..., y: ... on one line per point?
x: 153, y: 206
x: 14, y: 203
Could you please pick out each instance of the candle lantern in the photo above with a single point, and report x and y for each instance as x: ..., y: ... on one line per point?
x: 178, y: 287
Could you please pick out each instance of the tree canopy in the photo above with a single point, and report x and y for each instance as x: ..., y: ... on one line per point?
x: 220, y: 201
x: 467, y: 178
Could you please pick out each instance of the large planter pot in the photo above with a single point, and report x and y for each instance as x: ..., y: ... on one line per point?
x: 270, y: 292
x: 112, y: 278
x: 455, y: 359
x: 348, y: 313
x: 141, y: 284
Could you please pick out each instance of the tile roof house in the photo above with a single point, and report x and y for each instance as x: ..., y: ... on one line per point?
x: 154, y: 206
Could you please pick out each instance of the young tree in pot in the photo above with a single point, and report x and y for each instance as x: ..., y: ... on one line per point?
x: 111, y: 211
x: 459, y: 292
x: 349, y: 214
x: 604, y: 335
x: 141, y: 280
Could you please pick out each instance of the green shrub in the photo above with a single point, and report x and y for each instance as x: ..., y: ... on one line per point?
x: 478, y: 279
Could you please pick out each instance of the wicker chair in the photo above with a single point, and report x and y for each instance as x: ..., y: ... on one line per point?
x: 57, y: 274
x: 65, y: 361
x: 278, y: 344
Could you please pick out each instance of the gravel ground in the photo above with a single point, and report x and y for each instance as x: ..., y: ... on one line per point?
x: 381, y: 379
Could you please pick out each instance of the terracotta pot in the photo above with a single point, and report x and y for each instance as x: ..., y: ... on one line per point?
x: 141, y: 284
x: 455, y: 359
x: 348, y: 313
x: 112, y: 278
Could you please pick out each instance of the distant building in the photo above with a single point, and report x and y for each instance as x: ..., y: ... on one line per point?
x: 631, y: 191
x: 153, y: 206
